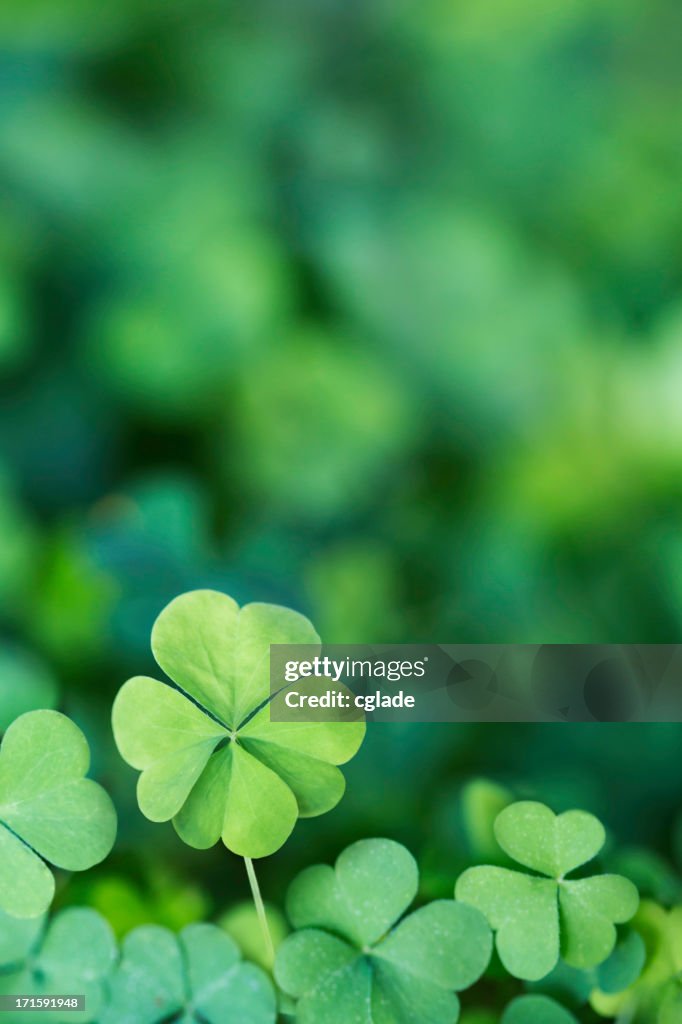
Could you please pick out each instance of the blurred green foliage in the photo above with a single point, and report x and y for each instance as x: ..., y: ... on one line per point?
x: 371, y: 310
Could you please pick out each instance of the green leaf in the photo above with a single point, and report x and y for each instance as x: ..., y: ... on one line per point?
x: 211, y: 759
x: 354, y: 959
x: 536, y: 1010
x: 197, y: 976
x: 539, y: 919
x: 73, y: 955
x: 17, y: 938
x: 26, y: 684
x: 356, y: 899
x: 550, y: 844
x: 588, y: 909
x: 624, y: 966
x: 48, y: 809
x: 220, y: 654
x: 523, y: 912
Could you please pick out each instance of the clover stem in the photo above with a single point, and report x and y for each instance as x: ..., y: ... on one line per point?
x: 260, y: 909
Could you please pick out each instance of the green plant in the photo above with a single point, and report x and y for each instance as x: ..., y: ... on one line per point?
x: 49, y: 810
x: 73, y: 953
x: 211, y: 759
x: 543, y: 916
x: 196, y: 976
x: 353, y: 955
x: 213, y: 762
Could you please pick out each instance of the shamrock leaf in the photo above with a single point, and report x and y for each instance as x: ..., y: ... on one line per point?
x: 211, y: 759
x: 536, y: 1010
x: 72, y: 955
x: 196, y: 976
x: 351, y: 961
x: 48, y: 809
x: 540, y: 917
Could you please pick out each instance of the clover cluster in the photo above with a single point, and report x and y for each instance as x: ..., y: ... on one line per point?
x: 528, y: 915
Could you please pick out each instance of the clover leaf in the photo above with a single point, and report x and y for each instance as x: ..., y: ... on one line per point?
x: 536, y: 1010
x: 49, y: 811
x: 196, y: 976
x: 354, y: 959
x: 72, y: 955
x: 211, y: 759
x: 542, y: 916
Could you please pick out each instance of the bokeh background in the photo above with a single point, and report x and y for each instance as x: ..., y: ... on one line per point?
x: 372, y: 309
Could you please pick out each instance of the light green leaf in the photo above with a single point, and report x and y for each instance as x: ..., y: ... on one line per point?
x: 399, y: 997
x: 522, y: 910
x: 198, y: 976
x: 220, y: 654
x: 47, y: 809
x: 536, y: 1010
x: 261, y: 810
x: 339, y: 997
x: 26, y: 882
x: 317, y: 786
x: 551, y: 844
x: 74, y: 955
x: 538, y: 919
x: 168, y: 738
x: 309, y: 957
x: 211, y: 759
x: 18, y: 936
x: 348, y: 962
x: 374, y: 882
x: 588, y: 909
x: 446, y: 943
x: 148, y: 986
x: 224, y: 989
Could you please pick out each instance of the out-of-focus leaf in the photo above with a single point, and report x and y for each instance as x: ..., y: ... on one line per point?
x: 196, y: 976
x: 242, y: 923
x: 48, y: 809
x: 26, y: 684
x: 72, y: 954
x: 363, y: 425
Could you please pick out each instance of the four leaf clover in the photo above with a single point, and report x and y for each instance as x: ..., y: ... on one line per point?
x: 196, y: 977
x: 350, y: 961
x: 211, y: 759
x: 49, y: 811
x: 540, y: 917
x: 74, y: 954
